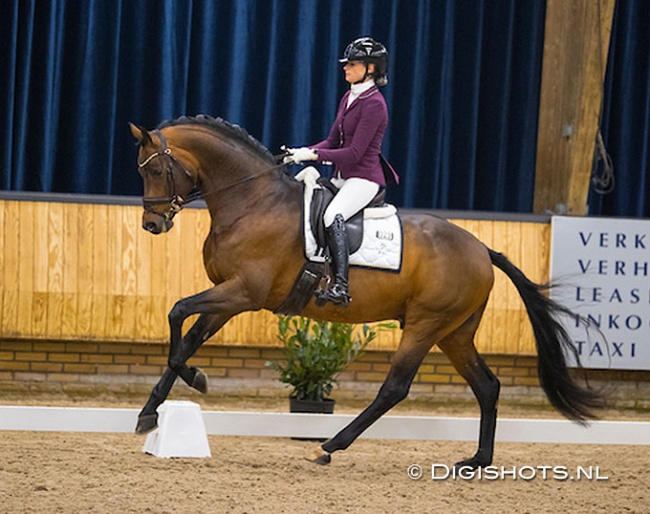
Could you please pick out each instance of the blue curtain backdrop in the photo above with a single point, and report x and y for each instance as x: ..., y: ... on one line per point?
x: 626, y: 117
x: 463, y: 93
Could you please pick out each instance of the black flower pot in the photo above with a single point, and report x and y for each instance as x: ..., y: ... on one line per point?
x: 325, y: 406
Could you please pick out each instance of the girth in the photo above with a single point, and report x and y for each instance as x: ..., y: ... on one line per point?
x: 321, y: 199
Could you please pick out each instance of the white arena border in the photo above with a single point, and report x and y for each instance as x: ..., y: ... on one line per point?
x: 276, y: 424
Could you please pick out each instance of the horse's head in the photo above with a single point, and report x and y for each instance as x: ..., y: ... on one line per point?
x: 167, y: 183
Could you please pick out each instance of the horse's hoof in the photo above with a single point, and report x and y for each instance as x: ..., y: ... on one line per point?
x: 146, y: 423
x: 319, y: 456
x: 200, y: 381
x: 473, y: 463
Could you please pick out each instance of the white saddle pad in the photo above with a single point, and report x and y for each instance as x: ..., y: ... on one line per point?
x: 381, y: 246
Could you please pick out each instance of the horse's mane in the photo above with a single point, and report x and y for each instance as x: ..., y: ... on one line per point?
x: 223, y: 127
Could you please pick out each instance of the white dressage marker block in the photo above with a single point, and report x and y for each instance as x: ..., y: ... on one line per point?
x: 180, y: 433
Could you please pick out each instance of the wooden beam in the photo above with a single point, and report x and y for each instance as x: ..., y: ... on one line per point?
x: 576, y: 44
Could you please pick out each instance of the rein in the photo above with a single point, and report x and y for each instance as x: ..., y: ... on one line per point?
x: 249, y: 178
x: 174, y: 200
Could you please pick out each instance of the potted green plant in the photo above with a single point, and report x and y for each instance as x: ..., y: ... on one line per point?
x: 315, y: 353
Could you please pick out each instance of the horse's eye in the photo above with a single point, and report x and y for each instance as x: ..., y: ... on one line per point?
x: 156, y: 172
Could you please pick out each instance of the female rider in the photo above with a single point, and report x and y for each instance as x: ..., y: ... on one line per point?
x: 353, y: 146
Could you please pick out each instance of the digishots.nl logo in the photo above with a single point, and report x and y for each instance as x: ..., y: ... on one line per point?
x: 559, y: 473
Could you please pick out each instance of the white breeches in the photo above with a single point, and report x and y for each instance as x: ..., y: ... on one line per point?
x: 354, y: 194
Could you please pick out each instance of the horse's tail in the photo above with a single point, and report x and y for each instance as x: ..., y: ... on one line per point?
x: 568, y: 397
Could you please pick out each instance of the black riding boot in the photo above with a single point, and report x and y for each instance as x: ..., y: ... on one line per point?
x: 337, y: 241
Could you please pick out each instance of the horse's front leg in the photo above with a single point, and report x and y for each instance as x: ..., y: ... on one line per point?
x: 203, y: 329
x: 216, y: 306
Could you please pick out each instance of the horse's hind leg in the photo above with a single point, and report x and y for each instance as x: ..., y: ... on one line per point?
x: 204, y: 327
x: 459, y: 347
x: 395, y: 388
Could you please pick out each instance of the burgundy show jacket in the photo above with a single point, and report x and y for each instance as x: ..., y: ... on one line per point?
x: 354, y: 142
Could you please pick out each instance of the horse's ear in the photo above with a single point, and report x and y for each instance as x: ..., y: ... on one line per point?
x: 140, y: 133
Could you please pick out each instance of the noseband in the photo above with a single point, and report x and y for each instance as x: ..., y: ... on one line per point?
x: 173, y: 200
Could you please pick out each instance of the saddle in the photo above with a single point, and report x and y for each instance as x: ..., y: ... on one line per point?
x: 354, y: 226
x: 380, y: 249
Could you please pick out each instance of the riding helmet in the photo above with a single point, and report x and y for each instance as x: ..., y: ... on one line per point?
x: 367, y: 50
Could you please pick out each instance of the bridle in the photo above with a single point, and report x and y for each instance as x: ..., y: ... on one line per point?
x: 174, y: 201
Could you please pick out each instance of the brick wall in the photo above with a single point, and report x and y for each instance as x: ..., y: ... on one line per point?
x: 243, y: 369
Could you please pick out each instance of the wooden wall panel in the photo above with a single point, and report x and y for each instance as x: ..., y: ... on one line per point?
x: 70, y: 257
x: 130, y: 225
x: 89, y: 272
x: 502, y: 326
x: 85, y: 229
x: 115, y: 316
x: 100, y: 281
x: 144, y: 301
x: 11, y: 250
x: 3, y: 245
x: 535, y: 261
x: 25, y: 267
x: 40, y: 300
x: 54, y: 236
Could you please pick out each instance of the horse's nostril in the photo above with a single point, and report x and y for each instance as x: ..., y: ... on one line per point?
x: 150, y: 226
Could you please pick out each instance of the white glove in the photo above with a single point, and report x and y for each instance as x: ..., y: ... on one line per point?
x: 298, y: 155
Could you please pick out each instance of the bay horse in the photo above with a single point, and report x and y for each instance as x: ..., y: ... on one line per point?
x: 254, y: 252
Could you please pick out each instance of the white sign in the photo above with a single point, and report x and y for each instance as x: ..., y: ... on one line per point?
x: 603, y: 266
